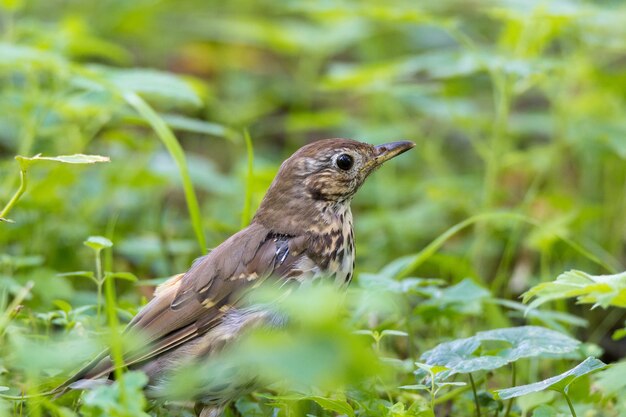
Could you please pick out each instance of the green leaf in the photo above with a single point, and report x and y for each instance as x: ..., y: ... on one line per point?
x: 390, y: 332
x: 619, y: 334
x: 78, y: 274
x: 600, y: 290
x: 559, y: 383
x: 178, y: 154
x: 63, y: 305
x: 66, y: 159
x: 339, y: 406
x: 464, y: 297
x: 549, y: 318
x: 384, y: 282
x: 106, y: 400
x: 415, y: 387
x: 126, y: 276
x: 544, y: 411
x: 98, y: 242
x: 3, y: 388
x: 611, y: 380
x: 477, y: 353
x: 187, y: 124
x: 12, y: 56
x: 153, y: 85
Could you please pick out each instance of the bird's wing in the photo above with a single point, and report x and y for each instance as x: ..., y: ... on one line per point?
x: 192, y: 303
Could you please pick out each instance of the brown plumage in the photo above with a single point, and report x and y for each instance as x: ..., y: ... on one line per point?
x: 302, y: 231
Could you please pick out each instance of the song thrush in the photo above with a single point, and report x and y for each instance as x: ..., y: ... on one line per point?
x: 302, y: 231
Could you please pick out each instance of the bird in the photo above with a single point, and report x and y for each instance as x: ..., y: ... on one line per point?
x: 302, y: 232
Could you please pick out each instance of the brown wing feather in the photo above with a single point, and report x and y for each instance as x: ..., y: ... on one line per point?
x: 191, y: 304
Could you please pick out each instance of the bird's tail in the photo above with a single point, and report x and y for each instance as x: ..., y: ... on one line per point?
x: 88, y: 371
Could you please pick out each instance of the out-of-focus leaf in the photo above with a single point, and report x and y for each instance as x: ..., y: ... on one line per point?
x: 464, y: 297
x: 126, y: 276
x: 463, y: 355
x: 63, y: 305
x: 611, y: 380
x: 78, y: 274
x: 619, y: 334
x: 406, y: 285
x: 339, y: 406
x: 390, y: 332
x: 532, y: 401
x: 557, y: 383
x: 600, y: 290
x: 551, y: 319
x: 166, y: 88
x: 98, y: 242
x: 544, y: 411
x: 12, y: 56
x: 106, y: 400
x: 187, y: 124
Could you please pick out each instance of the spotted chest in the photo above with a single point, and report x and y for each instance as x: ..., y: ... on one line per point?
x: 332, y: 248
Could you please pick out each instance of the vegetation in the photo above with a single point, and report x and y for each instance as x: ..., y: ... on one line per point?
x: 150, y: 130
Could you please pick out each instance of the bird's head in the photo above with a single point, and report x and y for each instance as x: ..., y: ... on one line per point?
x: 324, y: 173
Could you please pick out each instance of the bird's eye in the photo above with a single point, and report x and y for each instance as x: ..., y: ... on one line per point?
x: 344, y: 161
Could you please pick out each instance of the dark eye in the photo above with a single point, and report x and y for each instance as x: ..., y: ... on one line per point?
x: 345, y: 161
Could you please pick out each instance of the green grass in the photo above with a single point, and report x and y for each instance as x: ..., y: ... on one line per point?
x: 519, y: 174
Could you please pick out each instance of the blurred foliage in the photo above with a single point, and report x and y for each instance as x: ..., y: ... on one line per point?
x: 516, y: 106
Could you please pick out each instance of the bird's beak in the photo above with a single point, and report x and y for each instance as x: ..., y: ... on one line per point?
x: 386, y: 151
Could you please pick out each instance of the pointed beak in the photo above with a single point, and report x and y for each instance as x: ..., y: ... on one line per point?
x: 386, y: 151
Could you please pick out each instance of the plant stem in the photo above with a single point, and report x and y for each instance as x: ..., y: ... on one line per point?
x: 452, y: 394
x: 20, y: 191
x: 176, y: 151
x: 247, y: 202
x: 510, y: 403
x: 5, y: 318
x: 569, y: 402
x: 475, y: 395
x: 99, y: 282
x: 423, y: 255
x: 116, y: 345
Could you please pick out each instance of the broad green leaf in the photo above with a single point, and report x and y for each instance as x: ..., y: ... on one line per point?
x: 549, y: 318
x: 544, y: 411
x: 163, y: 87
x: 98, y: 242
x: 458, y: 356
x: 339, y: 406
x: 559, y: 383
x: 464, y: 297
x: 532, y: 401
x: 600, y: 290
x: 477, y: 353
x: 611, y: 380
